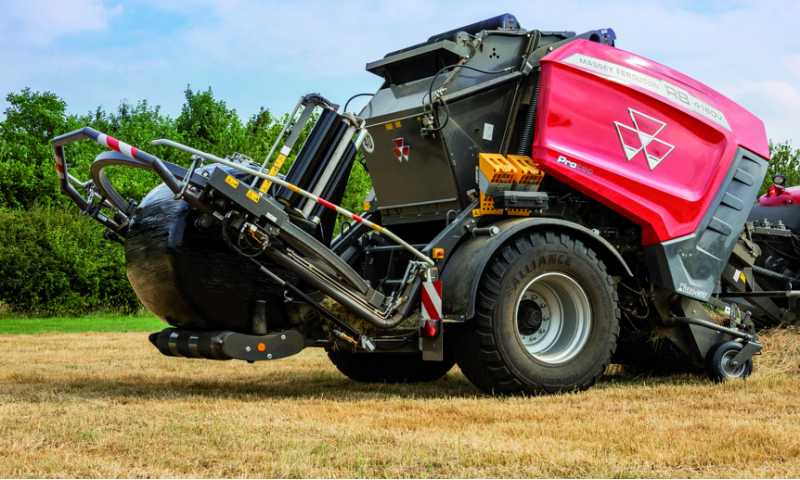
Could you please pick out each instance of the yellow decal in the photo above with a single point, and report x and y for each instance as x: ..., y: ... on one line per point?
x: 389, y: 126
x: 276, y: 167
x: 232, y: 181
x: 438, y: 253
x: 397, y: 125
x: 366, y: 206
x: 253, y: 196
x: 744, y: 279
x: 377, y: 227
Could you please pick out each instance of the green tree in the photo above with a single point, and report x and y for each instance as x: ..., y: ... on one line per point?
x: 55, y: 261
x: 32, y: 119
x: 784, y: 161
x: 208, y: 125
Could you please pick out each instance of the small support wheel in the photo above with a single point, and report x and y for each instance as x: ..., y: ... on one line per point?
x: 719, y: 362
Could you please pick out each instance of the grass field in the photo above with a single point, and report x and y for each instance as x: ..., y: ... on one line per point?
x: 108, y: 405
x: 93, y: 323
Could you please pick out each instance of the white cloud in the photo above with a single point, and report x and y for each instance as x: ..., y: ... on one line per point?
x: 268, y: 53
x: 777, y: 103
x: 39, y: 22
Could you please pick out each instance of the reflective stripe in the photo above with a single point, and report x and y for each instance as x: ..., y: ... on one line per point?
x: 116, y: 145
x: 431, y: 300
x: 59, y: 167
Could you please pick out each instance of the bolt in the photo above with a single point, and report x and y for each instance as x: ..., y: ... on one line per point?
x: 269, y: 356
x: 283, y: 337
x: 247, y: 349
x: 734, y: 364
x: 535, y: 297
x: 543, y: 305
x: 545, y: 318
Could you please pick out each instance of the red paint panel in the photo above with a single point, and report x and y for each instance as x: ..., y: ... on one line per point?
x: 789, y: 196
x: 357, y: 218
x: 668, y: 185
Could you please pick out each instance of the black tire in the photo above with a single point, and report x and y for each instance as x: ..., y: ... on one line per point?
x: 390, y: 367
x: 718, y: 362
x: 496, y: 350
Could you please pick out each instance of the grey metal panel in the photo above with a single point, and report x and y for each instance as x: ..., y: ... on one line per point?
x: 450, y: 46
x: 467, y: 132
x: 440, y: 166
x: 397, y: 102
x: 425, y: 176
x: 691, y: 265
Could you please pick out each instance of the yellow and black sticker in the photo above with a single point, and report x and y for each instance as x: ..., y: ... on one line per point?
x: 253, y: 196
x: 366, y: 206
x: 389, y: 126
x: 232, y: 181
x: 276, y: 167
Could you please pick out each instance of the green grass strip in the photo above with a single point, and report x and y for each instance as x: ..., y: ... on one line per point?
x: 93, y: 323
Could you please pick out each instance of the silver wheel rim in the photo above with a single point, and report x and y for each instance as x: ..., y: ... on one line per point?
x: 553, y: 318
x: 728, y: 370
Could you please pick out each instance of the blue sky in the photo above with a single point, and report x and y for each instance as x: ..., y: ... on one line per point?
x: 266, y: 53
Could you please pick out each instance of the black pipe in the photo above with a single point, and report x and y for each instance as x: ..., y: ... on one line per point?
x: 763, y: 272
x: 525, y: 145
x: 389, y: 248
x: 712, y: 326
x: 324, y: 287
x: 174, y: 342
x: 768, y: 294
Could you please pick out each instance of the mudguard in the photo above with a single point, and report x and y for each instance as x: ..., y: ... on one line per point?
x: 462, y: 273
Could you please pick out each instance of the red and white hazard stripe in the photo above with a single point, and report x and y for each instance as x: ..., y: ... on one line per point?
x: 431, y: 301
x: 60, y: 167
x: 116, y: 145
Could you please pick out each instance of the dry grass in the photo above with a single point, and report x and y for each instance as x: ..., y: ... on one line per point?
x: 108, y: 405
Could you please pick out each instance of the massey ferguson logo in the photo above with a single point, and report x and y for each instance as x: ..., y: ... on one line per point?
x: 642, y: 138
x: 400, y: 150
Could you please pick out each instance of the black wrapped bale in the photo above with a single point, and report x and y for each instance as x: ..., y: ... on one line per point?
x: 188, y: 277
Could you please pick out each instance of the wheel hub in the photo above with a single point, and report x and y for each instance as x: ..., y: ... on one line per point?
x: 729, y: 368
x: 529, y: 318
x: 553, y: 318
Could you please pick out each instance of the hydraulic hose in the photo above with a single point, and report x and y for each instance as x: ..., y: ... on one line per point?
x: 525, y: 146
